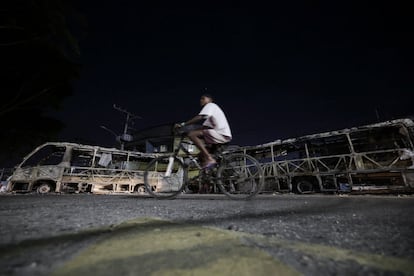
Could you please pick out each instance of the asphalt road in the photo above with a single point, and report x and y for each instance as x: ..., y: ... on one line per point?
x: 298, y: 234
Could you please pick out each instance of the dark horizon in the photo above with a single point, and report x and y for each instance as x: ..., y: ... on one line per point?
x: 278, y: 72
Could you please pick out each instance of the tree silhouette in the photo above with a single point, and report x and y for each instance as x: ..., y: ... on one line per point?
x: 39, y: 55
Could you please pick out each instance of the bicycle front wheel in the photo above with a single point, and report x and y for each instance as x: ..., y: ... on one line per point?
x: 165, y: 177
x: 239, y: 176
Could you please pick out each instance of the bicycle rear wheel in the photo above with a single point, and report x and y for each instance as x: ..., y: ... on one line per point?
x: 165, y: 177
x: 239, y: 176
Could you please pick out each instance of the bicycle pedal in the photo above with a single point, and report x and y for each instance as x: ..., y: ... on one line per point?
x: 210, y: 166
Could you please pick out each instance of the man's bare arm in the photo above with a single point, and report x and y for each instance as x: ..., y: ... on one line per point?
x: 193, y: 120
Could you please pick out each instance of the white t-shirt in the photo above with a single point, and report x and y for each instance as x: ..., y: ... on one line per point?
x: 216, y: 119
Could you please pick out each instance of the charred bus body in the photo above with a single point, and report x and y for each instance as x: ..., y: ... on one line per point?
x: 70, y: 167
x: 375, y: 158
x: 372, y: 158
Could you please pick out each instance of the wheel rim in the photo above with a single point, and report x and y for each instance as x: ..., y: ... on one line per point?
x: 240, y: 176
x: 44, y: 189
x: 305, y: 187
x: 141, y: 190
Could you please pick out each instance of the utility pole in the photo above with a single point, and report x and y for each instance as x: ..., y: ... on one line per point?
x: 125, y: 137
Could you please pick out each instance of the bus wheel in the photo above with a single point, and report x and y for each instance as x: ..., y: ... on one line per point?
x: 304, y: 187
x: 44, y: 188
x: 141, y: 189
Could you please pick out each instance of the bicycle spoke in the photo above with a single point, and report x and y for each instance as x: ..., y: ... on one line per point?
x: 240, y: 176
x: 165, y: 177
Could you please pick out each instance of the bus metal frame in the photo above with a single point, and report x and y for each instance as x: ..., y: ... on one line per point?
x: 382, y: 170
x: 112, y: 176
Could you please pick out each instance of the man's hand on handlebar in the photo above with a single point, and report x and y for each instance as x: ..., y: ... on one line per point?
x: 180, y: 125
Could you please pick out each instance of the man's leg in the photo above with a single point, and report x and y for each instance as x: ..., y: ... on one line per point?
x: 195, y: 137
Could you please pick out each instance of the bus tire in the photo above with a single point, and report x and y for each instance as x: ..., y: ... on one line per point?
x: 304, y: 187
x: 44, y: 188
x: 141, y: 189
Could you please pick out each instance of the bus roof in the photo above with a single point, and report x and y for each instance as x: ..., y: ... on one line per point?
x: 405, y: 121
x: 97, y: 148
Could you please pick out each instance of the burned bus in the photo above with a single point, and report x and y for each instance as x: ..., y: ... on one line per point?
x: 374, y: 158
x: 69, y: 167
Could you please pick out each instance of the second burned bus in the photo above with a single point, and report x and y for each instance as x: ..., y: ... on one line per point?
x: 376, y: 157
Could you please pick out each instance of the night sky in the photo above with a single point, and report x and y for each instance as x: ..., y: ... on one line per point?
x: 279, y: 71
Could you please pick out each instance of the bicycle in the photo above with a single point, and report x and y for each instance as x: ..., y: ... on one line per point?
x: 236, y: 174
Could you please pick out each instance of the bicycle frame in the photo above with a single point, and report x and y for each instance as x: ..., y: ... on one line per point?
x: 236, y: 180
x: 187, y: 154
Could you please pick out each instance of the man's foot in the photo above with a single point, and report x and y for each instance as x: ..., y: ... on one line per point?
x: 209, y: 164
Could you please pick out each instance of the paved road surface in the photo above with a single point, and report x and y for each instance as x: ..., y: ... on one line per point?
x: 200, y: 234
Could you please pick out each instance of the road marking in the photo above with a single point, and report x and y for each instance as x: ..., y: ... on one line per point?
x: 159, y: 247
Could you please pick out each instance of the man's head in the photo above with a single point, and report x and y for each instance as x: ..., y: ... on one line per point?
x: 205, y: 99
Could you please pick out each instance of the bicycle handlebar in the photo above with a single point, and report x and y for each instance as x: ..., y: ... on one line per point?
x: 183, y: 130
x: 180, y: 131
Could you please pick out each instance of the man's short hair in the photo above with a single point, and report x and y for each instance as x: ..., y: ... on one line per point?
x: 207, y: 96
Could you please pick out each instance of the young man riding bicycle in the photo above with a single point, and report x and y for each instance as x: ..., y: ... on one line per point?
x: 215, y: 130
